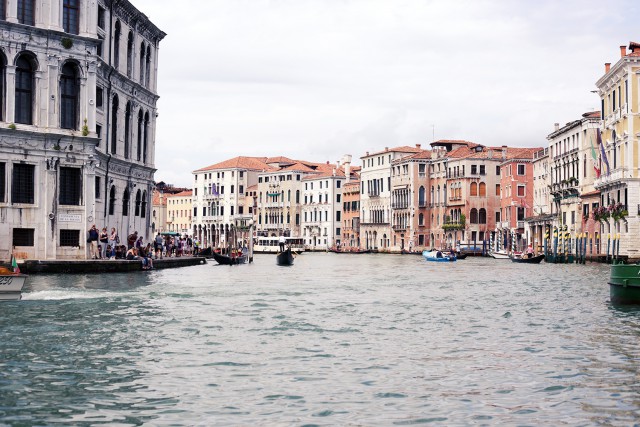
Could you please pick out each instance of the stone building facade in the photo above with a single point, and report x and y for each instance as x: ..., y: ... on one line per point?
x: 72, y: 153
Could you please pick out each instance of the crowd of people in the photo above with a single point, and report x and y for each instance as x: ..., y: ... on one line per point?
x: 105, y: 245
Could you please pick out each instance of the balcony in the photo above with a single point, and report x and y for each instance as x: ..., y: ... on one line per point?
x: 399, y: 227
x: 615, y: 177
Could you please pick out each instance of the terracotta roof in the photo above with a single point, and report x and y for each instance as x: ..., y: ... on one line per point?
x: 182, y: 194
x: 297, y: 167
x: 240, y: 162
x: 326, y: 174
x: 401, y: 149
x: 592, y: 115
x: 156, y: 200
x: 279, y: 160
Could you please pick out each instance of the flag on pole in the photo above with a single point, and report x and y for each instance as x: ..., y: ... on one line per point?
x: 14, y: 265
x: 594, y: 155
x: 603, y: 153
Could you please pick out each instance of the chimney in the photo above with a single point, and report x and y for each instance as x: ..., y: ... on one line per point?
x: 504, y: 152
x: 386, y: 148
x: 417, y: 145
x: 556, y: 126
x: 623, y: 51
x: 607, y: 67
x: 346, y: 161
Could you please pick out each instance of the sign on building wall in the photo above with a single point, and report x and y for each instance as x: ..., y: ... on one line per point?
x: 69, y: 217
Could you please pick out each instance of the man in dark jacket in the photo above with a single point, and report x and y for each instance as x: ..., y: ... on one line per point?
x: 93, y: 242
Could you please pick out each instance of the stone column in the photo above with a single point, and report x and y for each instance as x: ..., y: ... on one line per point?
x: 10, y: 93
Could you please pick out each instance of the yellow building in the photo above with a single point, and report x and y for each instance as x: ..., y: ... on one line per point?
x: 618, y: 152
x: 179, y: 212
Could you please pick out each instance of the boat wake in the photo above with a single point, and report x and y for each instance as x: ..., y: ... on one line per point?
x: 65, y: 294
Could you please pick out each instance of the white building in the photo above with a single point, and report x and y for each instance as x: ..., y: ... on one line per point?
x: 219, y: 198
x: 375, y: 196
x: 77, y: 120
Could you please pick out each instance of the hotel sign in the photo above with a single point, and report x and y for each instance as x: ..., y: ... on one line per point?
x: 69, y: 217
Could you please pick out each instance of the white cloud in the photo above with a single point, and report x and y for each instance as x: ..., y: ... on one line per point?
x: 316, y: 79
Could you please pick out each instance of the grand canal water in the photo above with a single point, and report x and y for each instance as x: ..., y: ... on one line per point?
x: 333, y: 340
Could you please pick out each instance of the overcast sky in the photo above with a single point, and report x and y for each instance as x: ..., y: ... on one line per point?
x: 313, y: 80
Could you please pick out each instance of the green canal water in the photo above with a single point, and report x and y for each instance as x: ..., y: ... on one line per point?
x: 333, y: 340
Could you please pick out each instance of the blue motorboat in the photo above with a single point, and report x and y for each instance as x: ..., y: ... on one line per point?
x: 438, y: 256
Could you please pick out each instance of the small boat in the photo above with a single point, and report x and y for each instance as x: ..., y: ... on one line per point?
x: 349, y: 251
x: 528, y: 260
x: 11, y: 285
x: 236, y: 257
x: 438, y: 256
x: 499, y: 254
x: 624, y: 284
x: 285, y: 257
x: 460, y: 255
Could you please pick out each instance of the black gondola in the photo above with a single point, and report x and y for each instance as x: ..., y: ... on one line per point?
x: 229, y: 260
x: 532, y: 260
x: 285, y: 257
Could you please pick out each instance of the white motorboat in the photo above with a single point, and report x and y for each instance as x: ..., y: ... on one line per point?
x: 499, y: 254
x: 11, y: 286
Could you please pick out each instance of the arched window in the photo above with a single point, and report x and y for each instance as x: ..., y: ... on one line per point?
x: 145, y: 137
x: 142, y: 63
x: 138, y: 202
x: 140, y: 131
x: 69, y: 93
x: 482, y: 189
x: 298, y: 196
x: 114, y: 124
x: 125, y: 202
x: 3, y: 73
x: 25, y: 69
x: 112, y: 199
x: 27, y: 12
x: 421, y: 196
x: 129, y: 54
x: 116, y: 46
x: 127, y: 130
x: 288, y: 195
x: 473, y: 216
x: 70, y: 14
x: 474, y: 189
x: 148, y: 73
x: 482, y: 217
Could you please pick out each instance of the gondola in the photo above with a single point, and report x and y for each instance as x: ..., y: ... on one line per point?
x: 525, y: 260
x: 229, y: 260
x: 285, y: 257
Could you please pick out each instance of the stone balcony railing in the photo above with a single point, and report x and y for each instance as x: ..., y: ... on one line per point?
x: 614, y: 177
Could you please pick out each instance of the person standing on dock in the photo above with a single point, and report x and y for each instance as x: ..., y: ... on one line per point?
x: 104, y: 240
x: 93, y: 242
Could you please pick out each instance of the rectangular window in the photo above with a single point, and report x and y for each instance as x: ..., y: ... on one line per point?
x: 232, y: 210
x: 97, y: 188
x: 101, y: 17
x: 23, y: 237
x: 497, y: 189
x: 232, y: 188
x: 482, y: 170
x: 474, y: 169
x: 70, y: 238
x: 520, y: 169
x: 70, y: 186
x: 241, y: 189
x: 195, y: 212
x: 520, y: 190
x: 520, y: 214
x: 240, y: 210
x: 70, y: 13
x: 497, y: 170
x: 22, y: 183
x: 2, y: 183
x: 497, y: 216
x: 99, y: 94
x: 338, y: 216
x: 338, y: 198
x: 573, y: 217
x: 26, y: 9
x: 3, y: 12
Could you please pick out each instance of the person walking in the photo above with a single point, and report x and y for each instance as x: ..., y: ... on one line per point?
x: 93, y: 242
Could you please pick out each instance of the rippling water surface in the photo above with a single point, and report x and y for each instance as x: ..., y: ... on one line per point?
x: 333, y: 340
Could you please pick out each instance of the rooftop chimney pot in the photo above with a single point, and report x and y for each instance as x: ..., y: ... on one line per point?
x: 623, y: 51
x: 607, y: 67
x: 556, y: 126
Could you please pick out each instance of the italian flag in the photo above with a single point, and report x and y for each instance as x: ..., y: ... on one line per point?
x: 14, y: 265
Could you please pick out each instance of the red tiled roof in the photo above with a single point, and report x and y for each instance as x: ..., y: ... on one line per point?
x: 157, y: 200
x: 182, y: 194
x: 401, y: 149
x: 240, y: 162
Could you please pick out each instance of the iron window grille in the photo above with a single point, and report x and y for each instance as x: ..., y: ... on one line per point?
x: 70, y: 186
x: 22, y: 188
x: 70, y: 238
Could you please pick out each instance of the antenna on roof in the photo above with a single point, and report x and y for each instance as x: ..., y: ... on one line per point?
x: 433, y: 133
